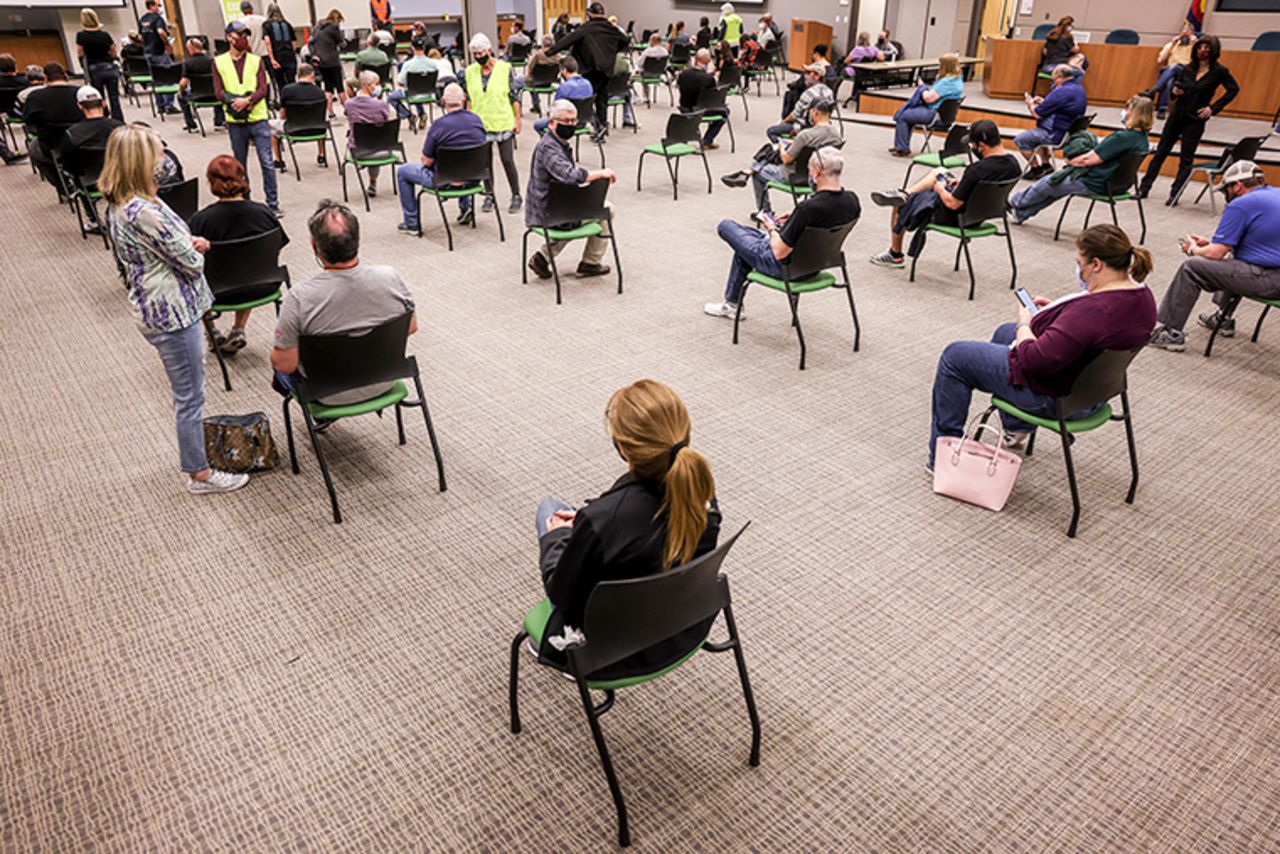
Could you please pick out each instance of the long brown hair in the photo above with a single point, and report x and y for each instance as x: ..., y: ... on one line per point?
x: 650, y: 427
x: 1061, y: 30
x: 1110, y: 245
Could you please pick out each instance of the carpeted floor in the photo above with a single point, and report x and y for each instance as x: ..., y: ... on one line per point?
x: 238, y: 673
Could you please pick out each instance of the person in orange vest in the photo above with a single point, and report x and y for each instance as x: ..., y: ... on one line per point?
x: 381, y: 12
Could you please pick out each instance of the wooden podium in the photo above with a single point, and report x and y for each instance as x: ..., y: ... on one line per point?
x: 805, y: 36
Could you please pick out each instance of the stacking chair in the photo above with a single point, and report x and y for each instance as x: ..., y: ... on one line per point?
x: 471, y: 168
x: 1245, y: 149
x: 544, y: 80
x: 348, y: 51
x: 731, y: 80
x: 713, y: 99
x: 518, y: 54
x: 331, y: 364
x: 987, y: 202
x: 164, y: 81
x: 586, y: 109
x: 1122, y: 36
x: 800, y: 189
x: 680, y: 56
x: 137, y: 74
x: 420, y: 88
x: 1228, y: 312
x: 954, y: 154
x: 1040, y: 32
x: 1119, y: 189
x: 201, y: 95
x: 1078, y: 124
x: 183, y: 199
x: 683, y: 138
x: 307, y: 123
x: 1104, y: 378
x: 383, y: 71
x: 1269, y: 40
x: 806, y: 270
x: 8, y: 101
x: 619, y: 88
x: 943, y: 118
x: 243, y: 274
x: 768, y: 68
x: 653, y: 72
x: 625, y: 617
x: 568, y: 204
x: 373, y: 145
x: 83, y: 186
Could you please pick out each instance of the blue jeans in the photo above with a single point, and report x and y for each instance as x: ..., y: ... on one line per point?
x: 1029, y: 139
x: 105, y: 77
x: 183, y: 355
x: 163, y: 102
x: 547, y: 508
x: 396, y: 99
x: 713, y: 128
x: 761, y: 175
x: 1163, y: 84
x: 259, y: 133
x: 905, y: 119
x: 408, y: 178
x: 778, y: 131
x: 966, y: 366
x: 751, y: 251
x: 1041, y: 194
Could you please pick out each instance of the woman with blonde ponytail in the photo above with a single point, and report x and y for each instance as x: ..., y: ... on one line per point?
x: 1037, y: 359
x: 660, y: 514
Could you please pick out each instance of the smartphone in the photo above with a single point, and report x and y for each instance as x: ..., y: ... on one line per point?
x: 1026, y: 300
x: 766, y: 216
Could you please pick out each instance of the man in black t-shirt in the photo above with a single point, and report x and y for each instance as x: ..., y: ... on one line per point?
x: 91, y: 132
x: 830, y: 205
x: 197, y: 64
x: 692, y: 82
x: 938, y: 198
x: 48, y: 112
x: 155, y: 46
x: 304, y: 91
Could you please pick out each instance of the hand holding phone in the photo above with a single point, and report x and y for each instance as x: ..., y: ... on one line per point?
x: 1027, y: 302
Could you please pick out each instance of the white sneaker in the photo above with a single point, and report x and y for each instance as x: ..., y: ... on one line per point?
x: 724, y: 309
x: 219, y: 481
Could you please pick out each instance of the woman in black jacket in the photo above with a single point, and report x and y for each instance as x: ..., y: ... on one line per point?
x: 660, y: 514
x: 1193, y: 89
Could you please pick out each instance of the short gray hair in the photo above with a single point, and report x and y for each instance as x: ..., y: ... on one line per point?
x: 561, y: 109
x: 1063, y: 70
x: 369, y: 78
x: 829, y: 160
x: 454, y: 95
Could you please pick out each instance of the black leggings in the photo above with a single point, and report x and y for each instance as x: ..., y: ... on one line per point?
x: 1184, y: 129
x: 507, y: 154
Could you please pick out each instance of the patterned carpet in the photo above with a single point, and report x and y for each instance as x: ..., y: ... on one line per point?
x: 187, y: 673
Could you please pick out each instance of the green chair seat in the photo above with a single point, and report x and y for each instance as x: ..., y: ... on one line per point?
x: 170, y: 89
x: 1082, y: 425
x: 798, y: 189
x: 542, y: 90
x: 347, y: 57
x: 453, y: 192
x: 583, y: 131
x: 245, y: 306
x: 934, y: 160
x: 587, y: 229
x: 304, y: 137
x: 387, y: 160
x: 1103, y: 197
x: 617, y: 102
x: 1273, y: 303
x: 141, y: 78
x: 1040, y: 75
x: 657, y: 80
x: 820, y: 282
x: 715, y: 117
x: 397, y: 393
x: 984, y: 230
x: 535, y: 623
x: 205, y: 104
x: 420, y: 99
x: 680, y: 149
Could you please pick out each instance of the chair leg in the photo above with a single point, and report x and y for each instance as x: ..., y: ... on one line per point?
x: 1071, y: 477
x: 1088, y: 214
x: 364, y: 191
x: 524, y: 258
x: 513, y: 682
x: 737, y: 315
x: 955, y: 266
x: 675, y: 181
x: 288, y: 432
x: 1057, y: 232
x: 740, y: 660
x: 431, y: 431
x: 707, y: 167
x: 1258, y: 326
x: 733, y: 143
x: 968, y: 262
x: 1031, y: 443
x: 399, y: 424
x: 853, y: 311
x: 1142, y: 238
x: 624, y: 834
x: 1133, y: 451
x: 1013, y: 261
x: 906, y: 179
x: 502, y: 233
x: 794, y: 301
x: 293, y: 155
x: 555, y: 269
x: 914, y: 259
x: 342, y: 172
x: 324, y: 466
x: 617, y: 261
x: 444, y: 217
x: 222, y: 363
x: 1114, y: 219
x: 640, y: 169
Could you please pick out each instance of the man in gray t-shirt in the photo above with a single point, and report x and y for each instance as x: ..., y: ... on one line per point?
x: 785, y: 165
x: 347, y: 297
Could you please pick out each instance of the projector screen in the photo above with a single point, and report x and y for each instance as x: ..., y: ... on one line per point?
x: 63, y: 4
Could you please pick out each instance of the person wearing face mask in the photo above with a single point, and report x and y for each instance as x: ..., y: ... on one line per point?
x: 240, y: 83
x: 494, y: 91
x: 782, y: 164
x: 596, y: 45
x: 1248, y: 232
x: 573, y: 87
x: 1089, y: 172
x: 1037, y: 358
x: 553, y: 162
x: 938, y: 198
x: 798, y: 117
x: 886, y: 46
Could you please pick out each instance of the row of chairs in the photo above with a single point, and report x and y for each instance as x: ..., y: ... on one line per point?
x: 1268, y: 41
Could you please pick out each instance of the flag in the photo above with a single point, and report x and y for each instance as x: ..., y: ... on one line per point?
x: 1195, y: 15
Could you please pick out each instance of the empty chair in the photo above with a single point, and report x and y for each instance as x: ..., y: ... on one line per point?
x: 1245, y: 149
x: 683, y: 137
x: 1270, y: 40
x: 1122, y: 36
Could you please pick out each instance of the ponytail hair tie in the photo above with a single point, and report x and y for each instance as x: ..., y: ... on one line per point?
x: 675, y: 451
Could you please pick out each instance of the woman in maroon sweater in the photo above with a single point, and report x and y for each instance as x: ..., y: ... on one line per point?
x: 1031, y: 362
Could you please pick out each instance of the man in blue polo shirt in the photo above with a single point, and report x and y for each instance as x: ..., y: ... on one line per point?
x: 573, y: 87
x: 456, y: 128
x: 1249, y: 232
x: 1053, y: 113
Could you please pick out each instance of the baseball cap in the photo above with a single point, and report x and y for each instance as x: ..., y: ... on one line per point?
x: 596, y: 8
x: 1241, y: 170
x: 237, y: 27
x: 85, y: 94
x: 984, y: 131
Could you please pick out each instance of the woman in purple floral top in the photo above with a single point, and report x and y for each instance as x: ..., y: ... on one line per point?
x: 163, y: 271
x: 864, y: 52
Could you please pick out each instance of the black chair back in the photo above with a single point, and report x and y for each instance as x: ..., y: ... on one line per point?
x: 683, y: 127
x: 987, y: 201
x: 306, y: 117
x: 221, y: 46
x: 619, y: 85
x: 653, y: 66
x: 543, y: 76
x: 201, y: 88
x: 336, y: 363
x: 1126, y: 173
x: 519, y: 52
x: 817, y: 249
x: 368, y: 139
x: 1269, y: 40
x: 680, y: 53
x: 136, y: 66
x: 800, y: 167
x: 573, y: 203
x: 231, y: 265
x: 183, y: 199
x: 945, y: 117
x: 1105, y: 377
x: 1122, y: 36
x: 86, y: 166
x: 625, y: 617
x: 713, y: 98
x: 166, y: 75
x: 383, y: 71
x: 1245, y: 149
x: 1081, y: 123
x: 586, y: 109
x: 644, y: 36
x: 418, y: 83
x: 8, y: 100
x: 731, y: 75
x: 703, y: 39
x: 957, y: 144
x: 463, y: 165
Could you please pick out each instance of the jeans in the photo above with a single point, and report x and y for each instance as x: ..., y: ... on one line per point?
x: 540, y: 125
x: 751, y: 251
x: 966, y: 366
x: 761, y: 175
x: 1029, y: 202
x: 714, y: 128
x: 183, y: 355
x: 906, y: 118
x: 1163, y: 84
x: 778, y: 131
x: 600, y: 84
x: 163, y: 102
x: 1226, y: 278
x: 105, y: 77
x: 189, y: 114
x: 259, y: 133
x: 1185, y: 132
x: 547, y: 508
x: 285, y: 74
x: 1032, y: 137
x: 408, y: 178
x: 396, y: 100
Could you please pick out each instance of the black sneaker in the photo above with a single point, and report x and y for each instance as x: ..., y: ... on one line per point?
x: 281, y: 166
x: 322, y: 162
x: 736, y: 179
x: 487, y: 207
x: 1226, y: 326
x: 586, y: 270
x: 467, y: 217
x: 539, y: 266
x: 1173, y: 340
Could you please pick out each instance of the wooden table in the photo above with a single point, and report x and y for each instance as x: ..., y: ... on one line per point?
x: 902, y: 72
x: 1117, y: 72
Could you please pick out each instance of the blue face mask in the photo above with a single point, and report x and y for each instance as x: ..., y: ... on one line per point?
x: 1084, y: 286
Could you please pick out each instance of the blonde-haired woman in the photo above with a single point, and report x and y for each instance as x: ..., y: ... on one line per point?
x: 924, y: 102
x: 97, y: 52
x: 660, y: 514
x: 163, y: 272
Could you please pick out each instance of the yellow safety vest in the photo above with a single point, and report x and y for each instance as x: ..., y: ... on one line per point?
x: 242, y: 87
x: 492, y: 104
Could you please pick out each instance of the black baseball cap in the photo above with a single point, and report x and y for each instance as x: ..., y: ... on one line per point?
x: 596, y: 8
x: 984, y: 131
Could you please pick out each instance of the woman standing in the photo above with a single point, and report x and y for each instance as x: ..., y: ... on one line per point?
x: 97, y: 52
x: 561, y: 27
x: 1059, y: 45
x: 1193, y: 89
x: 163, y: 271
x: 279, y: 37
x: 326, y: 48
x: 660, y: 514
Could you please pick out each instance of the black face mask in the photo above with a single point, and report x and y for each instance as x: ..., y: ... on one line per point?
x: 977, y: 152
x: 483, y: 58
x: 566, y: 131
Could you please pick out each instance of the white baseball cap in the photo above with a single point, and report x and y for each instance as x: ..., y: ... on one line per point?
x: 87, y: 93
x: 1241, y: 170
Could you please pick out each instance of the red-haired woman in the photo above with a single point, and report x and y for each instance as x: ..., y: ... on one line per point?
x: 233, y: 217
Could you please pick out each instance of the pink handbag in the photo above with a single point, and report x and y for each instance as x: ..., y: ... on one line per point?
x: 974, y: 471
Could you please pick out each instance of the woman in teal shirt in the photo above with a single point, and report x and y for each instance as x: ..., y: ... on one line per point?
x: 920, y: 108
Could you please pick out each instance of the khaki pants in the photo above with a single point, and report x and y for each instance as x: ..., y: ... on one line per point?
x: 596, y: 246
